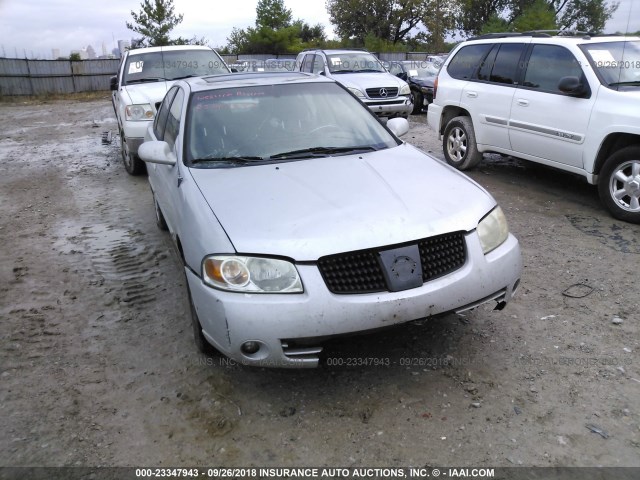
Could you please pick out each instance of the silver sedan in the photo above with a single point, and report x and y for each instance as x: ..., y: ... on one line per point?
x: 299, y: 216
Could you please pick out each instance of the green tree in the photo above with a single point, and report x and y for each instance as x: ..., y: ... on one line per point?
x: 390, y: 20
x: 522, y: 15
x: 273, y: 14
x: 75, y: 57
x: 154, y: 22
x: 539, y: 16
x: 275, y: 32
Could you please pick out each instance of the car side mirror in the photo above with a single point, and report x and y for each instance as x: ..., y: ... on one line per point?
x: 156, y: 151
x: 113, y: 82
x: 398, y: 126
x: 572, y: 86
x: 234, y: 70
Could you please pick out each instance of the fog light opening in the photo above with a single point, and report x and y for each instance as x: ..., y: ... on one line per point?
x: 250, y: 347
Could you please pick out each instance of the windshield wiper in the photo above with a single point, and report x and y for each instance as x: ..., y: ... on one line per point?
x: 144, y: 80
x: 228, y: 160
x: 185, y: 76
x: 321, y: 152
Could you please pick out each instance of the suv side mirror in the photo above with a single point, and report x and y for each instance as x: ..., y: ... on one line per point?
x: 572, y: 86
x: 113, y: 82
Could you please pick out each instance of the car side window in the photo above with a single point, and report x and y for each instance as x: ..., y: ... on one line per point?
x: 465, y: 63
x: 318, y: 64
x: 307, y: 63
x: 505, y: 67
x: 547, y: 65
x: 395, y: 69
x: 173, y: 120
x: 163, y: 113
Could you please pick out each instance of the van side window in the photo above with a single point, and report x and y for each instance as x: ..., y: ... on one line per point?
x: 547, y: 65
x: 467, y: 60
x: 506, y: 65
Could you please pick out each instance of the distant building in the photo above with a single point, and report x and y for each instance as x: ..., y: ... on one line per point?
x: 116, y: 52
x: 82, y: 53
x: 55, y: 53
x: 91, y: 53
x: 104, y: 50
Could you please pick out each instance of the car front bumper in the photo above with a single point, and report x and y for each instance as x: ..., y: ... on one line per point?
x: 290, y: 327
x: 399, y: 106
x: 134, y: 133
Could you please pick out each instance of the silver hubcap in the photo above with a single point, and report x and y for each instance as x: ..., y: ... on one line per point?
x: 457, y: 144
x: 624, y: 186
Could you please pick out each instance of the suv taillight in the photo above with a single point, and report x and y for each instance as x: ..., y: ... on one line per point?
x: 435, y: 87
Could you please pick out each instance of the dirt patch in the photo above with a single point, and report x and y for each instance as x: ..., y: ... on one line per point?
x: 98, y: 366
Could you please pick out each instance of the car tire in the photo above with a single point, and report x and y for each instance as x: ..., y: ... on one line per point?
x: 459, y: 144
x: 160, y: 221
x: 417, y: 102
x: 132, y: 164
x: 619, y: 184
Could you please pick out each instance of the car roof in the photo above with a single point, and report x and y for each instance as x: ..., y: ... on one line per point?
x: 250, y: 79
x: 139, y: 51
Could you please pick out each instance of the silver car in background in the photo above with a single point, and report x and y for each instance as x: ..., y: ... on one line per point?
x: 299, y: 216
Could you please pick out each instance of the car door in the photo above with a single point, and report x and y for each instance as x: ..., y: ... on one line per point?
x: 167, y: 178
x: 546, y: 123
x: 489, y: 97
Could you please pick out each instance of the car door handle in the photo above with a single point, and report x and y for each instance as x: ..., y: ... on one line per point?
x: 472, y: 94
x: 522, y: 102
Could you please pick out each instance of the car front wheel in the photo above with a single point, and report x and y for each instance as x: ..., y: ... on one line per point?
x: 132, y: 164
x: 416, y: 97
x: 619, y: 184
x: 459, y: 144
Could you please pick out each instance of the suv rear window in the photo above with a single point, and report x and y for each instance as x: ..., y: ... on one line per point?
x: 464, y: 64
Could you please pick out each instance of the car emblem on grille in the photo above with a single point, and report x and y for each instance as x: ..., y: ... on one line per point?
x: 401, y: 268
x: 383, y: 92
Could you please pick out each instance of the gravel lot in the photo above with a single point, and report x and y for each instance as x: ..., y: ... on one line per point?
x: 98, y: 366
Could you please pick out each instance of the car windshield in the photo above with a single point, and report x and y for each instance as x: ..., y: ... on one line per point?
x: 171, y: 65
x: 419, y: 69
x: 269, y: 123
x: 617, y: 63
x: 354, y: 62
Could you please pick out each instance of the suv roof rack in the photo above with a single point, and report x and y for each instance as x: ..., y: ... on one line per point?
x: 536, y: 33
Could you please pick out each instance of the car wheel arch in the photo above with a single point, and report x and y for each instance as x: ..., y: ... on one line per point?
x: 613, y: 143
x: 449, y: 113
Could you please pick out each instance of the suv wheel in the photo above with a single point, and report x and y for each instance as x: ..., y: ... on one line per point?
x: 459, y: 144
x: 416, y: 97
x: 619, y: 185
x: 132, y: 164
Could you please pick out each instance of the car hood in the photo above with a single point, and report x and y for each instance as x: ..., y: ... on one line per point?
x: 362, y: 81
x: 147, y: 92
x: 310, y: 208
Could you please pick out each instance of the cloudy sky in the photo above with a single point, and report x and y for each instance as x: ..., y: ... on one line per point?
x: 35, y: 27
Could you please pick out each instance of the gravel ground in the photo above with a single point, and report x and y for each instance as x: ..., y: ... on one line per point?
x: 98, y: 366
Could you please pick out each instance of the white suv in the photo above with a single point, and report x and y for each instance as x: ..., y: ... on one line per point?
x: 144, y: 76
x: 568, y: 102
x: 363, y: 75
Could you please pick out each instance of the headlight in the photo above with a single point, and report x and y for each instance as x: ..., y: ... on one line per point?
x: 251, y: 274
x: 405, y: 90
x: 139, y: 112
x: 356, y: 92
x: 493, y: 230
